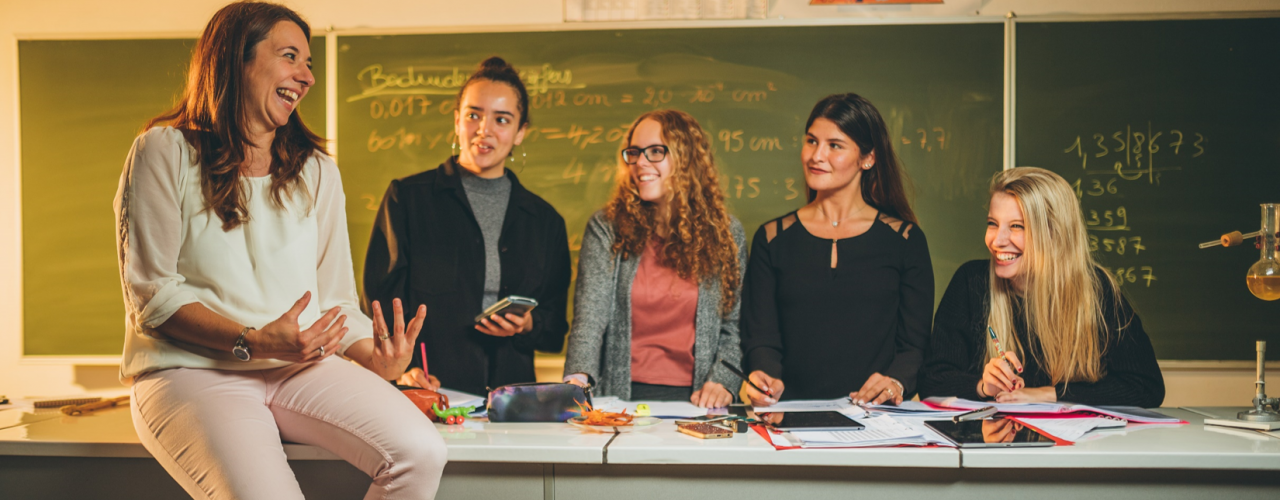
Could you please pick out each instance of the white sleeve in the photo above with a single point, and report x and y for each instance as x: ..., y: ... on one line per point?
x: 148, y: 213
x: 334, y: 273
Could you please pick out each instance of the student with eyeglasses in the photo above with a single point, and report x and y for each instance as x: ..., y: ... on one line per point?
x: 659, y: 274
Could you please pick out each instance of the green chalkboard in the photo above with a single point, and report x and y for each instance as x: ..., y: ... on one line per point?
x: 1172, y: 129
x: 81, y: 103
x: 938, y: 87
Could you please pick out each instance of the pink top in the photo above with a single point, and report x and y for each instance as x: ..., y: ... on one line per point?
x: 663, y: 311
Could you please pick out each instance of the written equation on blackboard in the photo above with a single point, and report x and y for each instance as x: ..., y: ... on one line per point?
x: 1111, y: 162
x: 579, y: 124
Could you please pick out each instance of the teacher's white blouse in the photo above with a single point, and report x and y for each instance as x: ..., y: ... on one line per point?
x: 174, y: 252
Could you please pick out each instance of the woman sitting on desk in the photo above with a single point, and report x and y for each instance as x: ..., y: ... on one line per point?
x: 656, y: 305
x: 463, y: 236
x: 838, y: 294
x: 238, y: 289
x: 1065, y: 331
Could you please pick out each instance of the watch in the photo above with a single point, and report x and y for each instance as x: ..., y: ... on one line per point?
x: 241, y: 349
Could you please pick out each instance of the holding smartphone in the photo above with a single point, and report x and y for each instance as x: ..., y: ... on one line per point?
x: 513, y: 304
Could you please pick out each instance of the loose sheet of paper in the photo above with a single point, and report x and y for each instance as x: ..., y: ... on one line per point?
x: 806, y: 405
x: 1072, y: 429
x: 877, y: 431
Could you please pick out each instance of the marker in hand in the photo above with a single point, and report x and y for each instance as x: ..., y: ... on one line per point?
x: 746, y: 379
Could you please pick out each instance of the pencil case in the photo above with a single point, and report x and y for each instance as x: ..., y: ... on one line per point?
x: 536, y: 402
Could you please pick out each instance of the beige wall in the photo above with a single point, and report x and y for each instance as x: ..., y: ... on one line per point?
x: 135, y: 18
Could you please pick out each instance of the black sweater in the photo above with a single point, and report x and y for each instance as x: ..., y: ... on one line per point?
x: 427, y: 248
x: 958, y: 351
x: 824, y: 331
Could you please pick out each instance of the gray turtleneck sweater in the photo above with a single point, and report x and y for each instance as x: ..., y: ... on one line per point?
x: 488, y: 199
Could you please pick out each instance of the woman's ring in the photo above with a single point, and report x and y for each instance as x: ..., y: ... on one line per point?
x: 383, y: 337
x: 322, y: 350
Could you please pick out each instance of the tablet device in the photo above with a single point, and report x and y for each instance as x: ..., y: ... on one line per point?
x: 990, y: 433
x: 816, y: 421
x: 513, y: 304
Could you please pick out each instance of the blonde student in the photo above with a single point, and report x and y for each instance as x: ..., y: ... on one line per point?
x: 1065, y: 330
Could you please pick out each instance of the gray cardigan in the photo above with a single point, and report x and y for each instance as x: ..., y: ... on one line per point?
x: 600, y: 339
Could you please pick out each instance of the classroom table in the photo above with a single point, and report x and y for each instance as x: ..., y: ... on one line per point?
x: 57, y: 457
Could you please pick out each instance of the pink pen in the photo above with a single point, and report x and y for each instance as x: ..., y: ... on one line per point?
x: 423, y: 347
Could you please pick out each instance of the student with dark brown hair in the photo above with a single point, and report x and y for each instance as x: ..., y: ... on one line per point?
x: 463, y: 236
x: 839, y: 294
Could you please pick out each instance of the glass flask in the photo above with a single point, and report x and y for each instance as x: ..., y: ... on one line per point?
x: 1264, y: 275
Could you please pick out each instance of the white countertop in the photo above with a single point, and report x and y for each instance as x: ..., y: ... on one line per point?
x: 662, y: 444
x: 1193, y: 446
x: 110, y: 433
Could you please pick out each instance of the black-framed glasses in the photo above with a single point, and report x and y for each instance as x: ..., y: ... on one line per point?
x: 652, y: 153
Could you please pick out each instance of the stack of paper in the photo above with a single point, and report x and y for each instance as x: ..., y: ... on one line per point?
x: 880, y: 430
x: 1129, y: 413
x: 915, y: 409
x: 1069, y: 428
x: 806, y: 405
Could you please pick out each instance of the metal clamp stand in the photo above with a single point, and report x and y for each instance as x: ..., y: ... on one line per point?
x: 1260, y: 411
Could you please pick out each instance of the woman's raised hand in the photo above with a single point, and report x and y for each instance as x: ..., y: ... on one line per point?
x: 764, y: 381
x: 999, y: 377
x: 393, y: 350
x: 285, y: 340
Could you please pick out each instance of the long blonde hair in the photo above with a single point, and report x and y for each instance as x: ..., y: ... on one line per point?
x: 1062, y: 306
x: 699, y: 243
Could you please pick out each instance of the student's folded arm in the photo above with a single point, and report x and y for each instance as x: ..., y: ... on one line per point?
x: 1132, y: 377
x: 549, y: 323
x: 730, y: 341
x: 761, y: 335
x: 593, y: 298
x: 386, y: 263
x: 949, y: 368
x: 148, y: 209
x: 334, y: 276
x: 915, y: 312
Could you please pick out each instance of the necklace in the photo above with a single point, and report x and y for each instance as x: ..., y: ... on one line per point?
x: 836, y: 223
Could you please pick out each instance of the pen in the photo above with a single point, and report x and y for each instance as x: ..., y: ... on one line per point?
x: 423, y: 348
x: 977, y: 414
x: 999, y: 350
x: 744, y: 378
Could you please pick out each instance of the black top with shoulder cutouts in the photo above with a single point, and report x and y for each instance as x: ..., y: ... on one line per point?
x: 825, y: 330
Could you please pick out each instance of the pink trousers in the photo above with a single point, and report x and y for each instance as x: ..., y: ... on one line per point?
x: 219, y: 433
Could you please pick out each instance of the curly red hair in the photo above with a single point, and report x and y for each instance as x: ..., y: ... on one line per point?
x: 699, y: 243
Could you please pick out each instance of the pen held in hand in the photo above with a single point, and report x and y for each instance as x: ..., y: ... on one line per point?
x: 1000, y: 350
x: 744, y: 378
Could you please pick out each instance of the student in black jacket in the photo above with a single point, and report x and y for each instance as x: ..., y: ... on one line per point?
x: 466, y: 235
x: 1066, y: 332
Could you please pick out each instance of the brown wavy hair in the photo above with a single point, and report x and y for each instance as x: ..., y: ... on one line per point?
x: 884, y: 185
x: 699, y: 243
x: 211, y: 117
